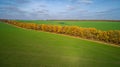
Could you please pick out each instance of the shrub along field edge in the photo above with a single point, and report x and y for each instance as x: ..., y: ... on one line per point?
x: 112, y: 36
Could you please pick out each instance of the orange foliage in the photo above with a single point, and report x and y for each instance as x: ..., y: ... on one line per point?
x: 112, y: 36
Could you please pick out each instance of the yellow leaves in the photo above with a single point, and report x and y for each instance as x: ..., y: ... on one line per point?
x: 112, y: 36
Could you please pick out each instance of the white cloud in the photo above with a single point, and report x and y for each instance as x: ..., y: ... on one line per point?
x: 69, y: 7
x: 43, y: 11
x: 43, y: 6
x: 108, y: 11
x: 86, y: 1
x: 82, y: 1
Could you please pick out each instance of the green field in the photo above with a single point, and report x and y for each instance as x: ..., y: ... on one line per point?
x: 101, y: 25
x: 29, y: 48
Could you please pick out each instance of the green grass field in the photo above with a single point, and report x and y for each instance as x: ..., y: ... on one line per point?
x: 29, y: 48
x: 101, y: 25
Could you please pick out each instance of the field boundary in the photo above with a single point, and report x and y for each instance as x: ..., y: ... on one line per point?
x: 109, y: 44
x: 81, y: 38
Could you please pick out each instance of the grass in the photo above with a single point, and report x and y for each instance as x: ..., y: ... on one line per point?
x: 101, y: 25
x: 29, y: 48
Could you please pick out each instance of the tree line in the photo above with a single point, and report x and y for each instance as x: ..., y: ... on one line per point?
x: 112, y: 36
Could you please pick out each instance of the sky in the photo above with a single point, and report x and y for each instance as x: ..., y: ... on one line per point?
x: 60, y: 9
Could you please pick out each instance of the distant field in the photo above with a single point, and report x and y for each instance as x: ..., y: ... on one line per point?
x: 101, y: 25
x: 29, y: 48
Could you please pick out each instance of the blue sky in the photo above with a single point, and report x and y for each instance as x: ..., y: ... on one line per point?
x: 60, y: 9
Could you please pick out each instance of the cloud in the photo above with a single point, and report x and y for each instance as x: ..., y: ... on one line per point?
x: 82, y: 1
x: 83, y: 11
x: 39, y: 16
x: 14, y: 2
x: 69, y: 7
x: 13, y: 16
x: 43, y: 6
x: 112, y: 13
x: 21, y: 1
x: 86, y: 1
x: 108, y: 11
x: 11, y: 9
x: 10, y: 12
x: 31, y: 10
x: 18, y: 1
x: 64, y: 12
x: 43, y: 11
x: 58, y: 9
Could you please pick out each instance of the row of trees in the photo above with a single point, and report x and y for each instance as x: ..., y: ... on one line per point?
x: 112, y: 36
